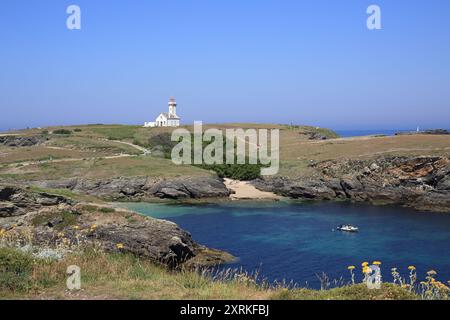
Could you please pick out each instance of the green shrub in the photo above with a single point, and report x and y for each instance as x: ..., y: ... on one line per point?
x: 15, y: 270
x: 162, y: 142
x: 77, y: 130
x: 236, y: 171
x: 107, y: 210
x: 62, y: 131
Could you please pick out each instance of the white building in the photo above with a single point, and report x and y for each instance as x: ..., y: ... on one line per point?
x: 166, y: 119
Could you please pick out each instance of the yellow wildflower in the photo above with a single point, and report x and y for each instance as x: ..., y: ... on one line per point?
x: 411, y: 268
x: 351, y: 267
x: 119, y: 246
x: 364, y: 264
x: 366, y: 269
x: 61, y: 234
x: 76, y: 227
x: 376, y: 263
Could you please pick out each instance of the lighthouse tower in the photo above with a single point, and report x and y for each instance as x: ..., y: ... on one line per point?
x: 172, y: 108
x: 166, y: 119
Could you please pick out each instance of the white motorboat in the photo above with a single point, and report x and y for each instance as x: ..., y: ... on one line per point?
x: 347, y: 228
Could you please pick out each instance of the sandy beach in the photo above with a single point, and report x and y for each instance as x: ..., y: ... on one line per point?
x: 245, y: 191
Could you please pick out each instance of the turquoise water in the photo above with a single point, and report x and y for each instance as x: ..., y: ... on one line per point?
x: 296, y: 241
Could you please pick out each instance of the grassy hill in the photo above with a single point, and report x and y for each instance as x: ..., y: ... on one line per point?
x: 99, y: 151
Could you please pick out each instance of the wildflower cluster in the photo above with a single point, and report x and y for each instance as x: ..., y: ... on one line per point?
x: 430, y: 289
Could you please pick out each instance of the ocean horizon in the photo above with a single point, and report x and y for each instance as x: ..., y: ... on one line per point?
x: 345, y: 133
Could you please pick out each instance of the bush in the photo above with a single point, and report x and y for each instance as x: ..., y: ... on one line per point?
x: 163, y: 143
x: 77, y: 130
x: 62, y: 131
x: 15, y: 270
x: 236, y: 171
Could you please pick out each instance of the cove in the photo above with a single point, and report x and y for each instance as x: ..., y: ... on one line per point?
x: 295, y: 241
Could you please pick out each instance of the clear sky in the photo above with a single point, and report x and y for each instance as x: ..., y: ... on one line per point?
x: 279, y: 61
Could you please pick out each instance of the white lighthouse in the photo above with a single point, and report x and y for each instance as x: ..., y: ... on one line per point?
x: 165, y: 119
x: 172, y: 108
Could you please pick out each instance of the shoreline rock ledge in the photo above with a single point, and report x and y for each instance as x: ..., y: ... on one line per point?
x: 46, y: 217
x: 142, y: 188
x: 422, y: 183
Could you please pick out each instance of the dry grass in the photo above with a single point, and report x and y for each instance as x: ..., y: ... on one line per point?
x: 297, y: 154
x: 36, y: 153
x: 123, y: 276
x: 101, y: 168
x: 296, y: 151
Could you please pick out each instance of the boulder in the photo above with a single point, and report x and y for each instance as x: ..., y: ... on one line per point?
x: 157, y: 240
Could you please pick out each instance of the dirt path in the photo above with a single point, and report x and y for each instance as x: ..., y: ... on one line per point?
x: 144, y: 151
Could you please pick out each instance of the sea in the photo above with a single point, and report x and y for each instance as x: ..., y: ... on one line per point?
x: 297, y: 242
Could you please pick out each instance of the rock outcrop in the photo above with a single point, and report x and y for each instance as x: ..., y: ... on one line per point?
x: 141, y: 188
x: 16, y: 201
x: 22, y: 141
x: 158, y: 240
x: 51, y: 216
x: 418, y: 182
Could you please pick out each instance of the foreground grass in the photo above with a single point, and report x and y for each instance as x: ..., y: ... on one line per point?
x: 123, y: 276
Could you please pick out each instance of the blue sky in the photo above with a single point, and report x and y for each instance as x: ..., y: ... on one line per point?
x: 279, y: 61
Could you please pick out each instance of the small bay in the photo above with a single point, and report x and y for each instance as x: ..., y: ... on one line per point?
x: 296, y: 241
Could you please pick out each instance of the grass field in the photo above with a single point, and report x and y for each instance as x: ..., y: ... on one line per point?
x: 90, y: 146
x: 101, y: 169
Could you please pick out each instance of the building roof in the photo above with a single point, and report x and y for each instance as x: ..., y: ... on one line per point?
x: 166, y: 115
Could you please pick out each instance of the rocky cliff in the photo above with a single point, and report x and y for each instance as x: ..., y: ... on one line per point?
x: 141, y: 188
x: 49, y: 220
x: 419, y: 182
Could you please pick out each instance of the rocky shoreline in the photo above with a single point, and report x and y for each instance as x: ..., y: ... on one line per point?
x: 46, y: 220
x: 142, y: 188
x: 422, y: 183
